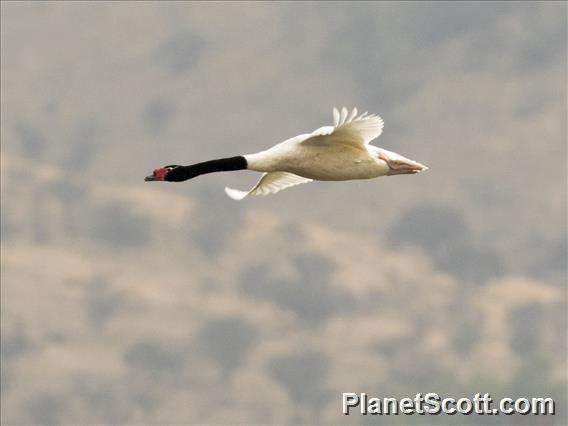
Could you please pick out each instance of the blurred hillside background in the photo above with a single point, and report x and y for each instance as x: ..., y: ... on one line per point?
x: 125, y: 302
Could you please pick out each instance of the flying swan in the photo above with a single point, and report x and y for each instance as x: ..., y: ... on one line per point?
x: 333, y: 153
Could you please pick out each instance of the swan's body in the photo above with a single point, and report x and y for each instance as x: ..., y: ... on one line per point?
x: 319, y: 159
x: 330, y: 153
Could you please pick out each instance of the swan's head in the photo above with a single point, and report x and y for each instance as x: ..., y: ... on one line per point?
x: 161, y: 173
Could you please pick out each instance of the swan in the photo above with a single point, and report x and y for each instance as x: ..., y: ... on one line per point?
x: 330, y: 153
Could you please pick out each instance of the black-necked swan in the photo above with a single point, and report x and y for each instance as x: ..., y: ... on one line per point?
x: 338, y: 152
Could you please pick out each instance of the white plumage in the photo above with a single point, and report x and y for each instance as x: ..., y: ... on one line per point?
x: 338, y: 152
x: 269, y: 183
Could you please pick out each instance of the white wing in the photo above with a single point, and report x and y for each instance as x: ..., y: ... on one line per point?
x: 349, y: 128
x: 269, y: 183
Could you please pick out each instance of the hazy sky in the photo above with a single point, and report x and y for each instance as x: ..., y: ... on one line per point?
x: 125, y: 302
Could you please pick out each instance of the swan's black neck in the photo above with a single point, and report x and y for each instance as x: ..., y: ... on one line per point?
x: 181, y: 173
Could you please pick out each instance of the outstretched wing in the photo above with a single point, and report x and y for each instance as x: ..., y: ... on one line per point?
x: 349, y: 128
x: 269, y: 183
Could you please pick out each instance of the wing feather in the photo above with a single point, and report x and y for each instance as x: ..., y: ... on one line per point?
x: 348, y: 129
x: 335, y: 117
x: 368, y: 128
x: 269, y: 183
x: 352, y: 115
x: 344, y: 113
